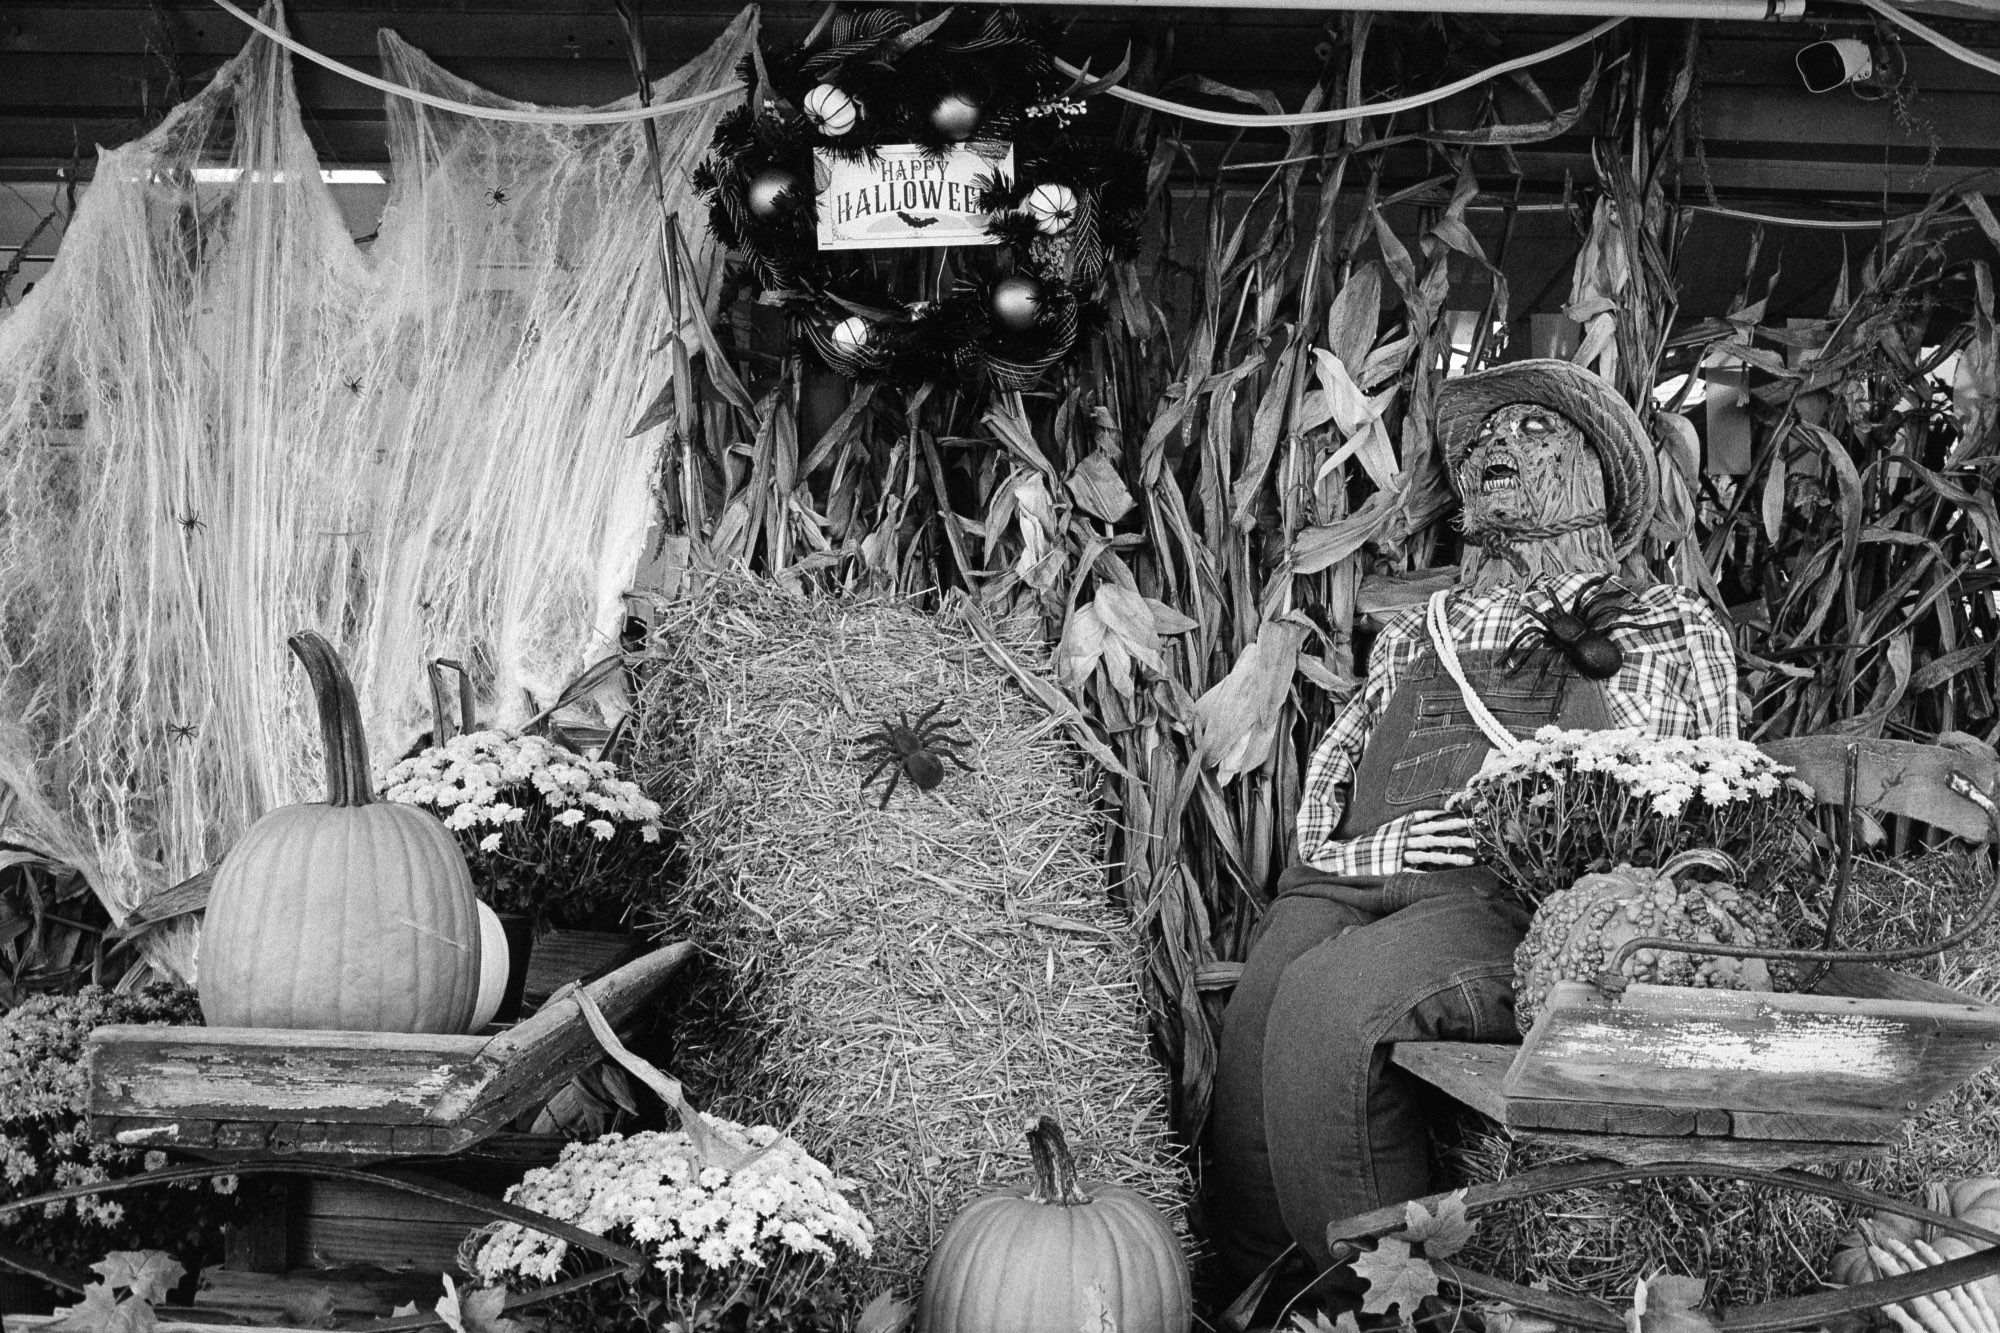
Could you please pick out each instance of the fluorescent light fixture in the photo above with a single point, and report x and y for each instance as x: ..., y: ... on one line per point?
x: 334, y: 176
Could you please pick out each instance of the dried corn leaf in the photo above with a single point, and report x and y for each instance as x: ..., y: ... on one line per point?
x: 1236, y: 721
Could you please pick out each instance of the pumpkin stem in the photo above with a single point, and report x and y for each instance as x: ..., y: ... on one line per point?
x: 347, y: 773
x: 1055, y: 1170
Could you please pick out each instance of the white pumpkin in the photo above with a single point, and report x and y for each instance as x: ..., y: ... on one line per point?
x: 494, y: 959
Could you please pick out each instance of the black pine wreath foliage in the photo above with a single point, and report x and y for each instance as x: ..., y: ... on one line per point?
x: 897, y: 67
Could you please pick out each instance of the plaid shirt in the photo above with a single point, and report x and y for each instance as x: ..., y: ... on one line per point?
x: 1679, y: 679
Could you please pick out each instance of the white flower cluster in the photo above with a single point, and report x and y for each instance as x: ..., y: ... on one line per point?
x: 1666, y: 773
x: 469, y: 778
x: 655, y: 1187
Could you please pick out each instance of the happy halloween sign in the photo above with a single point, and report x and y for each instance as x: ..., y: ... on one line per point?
x: 904, y: 195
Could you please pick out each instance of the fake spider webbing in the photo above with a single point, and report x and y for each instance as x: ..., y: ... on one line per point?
x: 222, y: 422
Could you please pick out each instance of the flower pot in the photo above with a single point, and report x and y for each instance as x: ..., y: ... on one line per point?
x: 520, y: 932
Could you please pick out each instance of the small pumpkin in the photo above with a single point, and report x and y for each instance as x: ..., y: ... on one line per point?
x: 348, y: 913
x: 1050, y: 1254
x: 1975, y: 1201
x: 495, y: 958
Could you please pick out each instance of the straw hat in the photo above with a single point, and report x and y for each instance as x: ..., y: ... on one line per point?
x: 1631, y: 470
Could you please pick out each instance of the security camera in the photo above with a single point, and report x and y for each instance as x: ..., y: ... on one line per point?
x: 1835, y: 64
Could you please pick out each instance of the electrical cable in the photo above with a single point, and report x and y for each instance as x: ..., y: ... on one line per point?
x: 1238, y: 119
x: 1278, y: 120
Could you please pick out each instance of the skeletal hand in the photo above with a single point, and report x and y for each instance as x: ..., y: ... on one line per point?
x: 1437, y: 841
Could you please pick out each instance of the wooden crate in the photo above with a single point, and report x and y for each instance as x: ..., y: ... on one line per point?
x: 260, y: 1094
x: 1666, y: 1072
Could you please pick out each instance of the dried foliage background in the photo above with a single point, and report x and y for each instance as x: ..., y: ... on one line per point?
x: 1203, y: 515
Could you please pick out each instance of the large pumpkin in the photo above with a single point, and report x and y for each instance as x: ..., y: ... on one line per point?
x: 1049, y: 1255
x: 350, y: 913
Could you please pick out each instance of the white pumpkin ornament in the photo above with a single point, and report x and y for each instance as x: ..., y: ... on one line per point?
x: 832, y: 110
x: 852, y: 333
x: 1053, y: 207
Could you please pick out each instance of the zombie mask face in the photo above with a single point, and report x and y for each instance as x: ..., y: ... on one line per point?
x: 1528, y: 469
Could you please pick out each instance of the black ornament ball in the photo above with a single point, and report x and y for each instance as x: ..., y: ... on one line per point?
x: 1017, y: 303
x: 956, y: 116
x: 767, y: 190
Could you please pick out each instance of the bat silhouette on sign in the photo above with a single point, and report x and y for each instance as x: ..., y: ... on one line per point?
x: 916, y: 221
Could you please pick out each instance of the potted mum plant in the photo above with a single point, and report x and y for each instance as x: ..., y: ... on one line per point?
x: 1571, y: 803
x: 553, y: 839
x: 760, y: 1239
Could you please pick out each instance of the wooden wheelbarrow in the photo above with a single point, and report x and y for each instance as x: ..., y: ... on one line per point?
x: 1647, y: 1081
x: 346, y: 1097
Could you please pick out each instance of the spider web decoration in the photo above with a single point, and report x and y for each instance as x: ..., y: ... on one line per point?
x: 222, y: 422
x: 897, y: 70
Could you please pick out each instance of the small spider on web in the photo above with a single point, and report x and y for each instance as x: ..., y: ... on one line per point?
x: 496, y: 197
x: 183, y: 731
x: 354, y: 386
x: 189, y: 521
x: 916, y: 749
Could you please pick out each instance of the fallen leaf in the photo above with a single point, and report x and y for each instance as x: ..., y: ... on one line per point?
x: 149, y: 1274
x: 93, y: 1314
x: 1442, y: 1234
x: 1396, y: 1277
x: 1668, y: 1304
x: 885, y: 1314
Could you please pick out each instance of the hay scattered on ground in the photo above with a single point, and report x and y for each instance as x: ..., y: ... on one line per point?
x: 1752, y: 1243
x: 902, y: 987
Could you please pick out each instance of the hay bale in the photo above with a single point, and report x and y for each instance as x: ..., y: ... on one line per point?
x: 1754, y: 1243
x: 902, y: 988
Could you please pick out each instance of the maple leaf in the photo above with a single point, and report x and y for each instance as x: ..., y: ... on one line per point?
x: 475, y: 1311
x: 93, y: 1315
x: 150, y: 1274
x: 885, y: 1314
x: 1668, y: 1304
x: 1345, y: 1322
x: 1442, y: 1234
x: 1395, y: 1277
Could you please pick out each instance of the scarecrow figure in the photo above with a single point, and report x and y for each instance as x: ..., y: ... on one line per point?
x: 1389, y: 931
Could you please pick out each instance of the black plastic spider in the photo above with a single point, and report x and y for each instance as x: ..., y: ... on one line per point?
x: 918, y: 749
x: 496, y: 197
x: 1575, y: 630
x: 183, y: 731
x: 354, y: 386
x: 190, y: 521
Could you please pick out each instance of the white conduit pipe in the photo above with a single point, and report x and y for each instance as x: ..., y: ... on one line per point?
x: 1934, y: 37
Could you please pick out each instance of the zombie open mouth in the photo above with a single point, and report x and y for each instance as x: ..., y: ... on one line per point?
x: 1499, y: 477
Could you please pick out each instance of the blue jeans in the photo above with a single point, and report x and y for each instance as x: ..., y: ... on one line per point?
x: 1311, y: 1123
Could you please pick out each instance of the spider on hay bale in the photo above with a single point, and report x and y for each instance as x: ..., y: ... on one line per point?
x: 1575, y: 630
x: 917, y: 749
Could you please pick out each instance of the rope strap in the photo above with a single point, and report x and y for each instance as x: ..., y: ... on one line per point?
x: 1441, y: 642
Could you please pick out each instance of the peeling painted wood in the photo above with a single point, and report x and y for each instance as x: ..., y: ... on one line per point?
x: 1671, y: 1046
x: 241, y: 1092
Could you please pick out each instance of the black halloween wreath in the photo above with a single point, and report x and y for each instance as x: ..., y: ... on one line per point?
x: 1006, y: 311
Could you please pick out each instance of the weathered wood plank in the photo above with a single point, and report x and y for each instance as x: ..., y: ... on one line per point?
x: 1467, y: 1071
x: 563, y: 956
x: 1679, y: 1047
x: 535, y: 1057
x: 224, y: 1092
x: 1637, y: 1151
x: 1866, y: 982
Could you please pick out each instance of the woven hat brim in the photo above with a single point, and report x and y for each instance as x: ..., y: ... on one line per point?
x: 1631, y: 468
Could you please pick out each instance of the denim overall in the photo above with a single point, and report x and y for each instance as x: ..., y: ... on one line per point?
x: 1311, y: 1123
